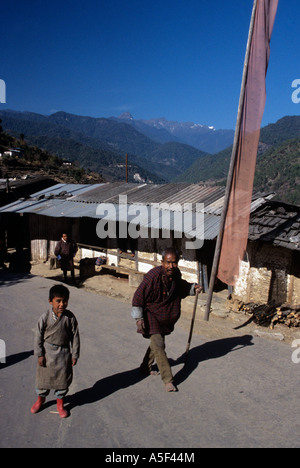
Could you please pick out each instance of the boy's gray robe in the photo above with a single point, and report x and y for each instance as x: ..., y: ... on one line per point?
x: 59, y: 342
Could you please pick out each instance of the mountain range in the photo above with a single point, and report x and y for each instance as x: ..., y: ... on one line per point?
x: 155, y: 150
x: 203, y: 137
x: 160, y: 150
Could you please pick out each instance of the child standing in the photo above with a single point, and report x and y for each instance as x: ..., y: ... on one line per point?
x: 57, y: 346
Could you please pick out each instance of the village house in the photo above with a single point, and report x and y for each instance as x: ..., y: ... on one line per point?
x: 270, y: 270
x: 16, y: 152
x: 99, y: 218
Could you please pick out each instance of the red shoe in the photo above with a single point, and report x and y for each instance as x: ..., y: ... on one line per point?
x: 37, y: 405
x: 60, y: 406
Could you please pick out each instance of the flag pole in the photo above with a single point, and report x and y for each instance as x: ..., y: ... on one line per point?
x: 231, y: 169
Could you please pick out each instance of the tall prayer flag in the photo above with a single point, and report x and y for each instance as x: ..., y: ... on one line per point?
x: 251, y: 109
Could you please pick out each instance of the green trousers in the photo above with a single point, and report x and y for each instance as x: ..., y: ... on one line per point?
x: 157, y: 353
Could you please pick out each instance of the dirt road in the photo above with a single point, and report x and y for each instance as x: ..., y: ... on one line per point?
x: 238, y: 389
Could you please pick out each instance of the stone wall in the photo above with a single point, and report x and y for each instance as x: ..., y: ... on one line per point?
x: 268, y: 273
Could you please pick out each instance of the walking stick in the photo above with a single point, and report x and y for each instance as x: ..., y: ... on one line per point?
x: 192, y: 328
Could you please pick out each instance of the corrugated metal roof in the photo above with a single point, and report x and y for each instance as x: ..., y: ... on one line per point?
x: 39, y: 200
x: 51, y: 207
x: 70, y: 190
x: 152, y: 193
x: 105, y: 193
x: 77, y: 200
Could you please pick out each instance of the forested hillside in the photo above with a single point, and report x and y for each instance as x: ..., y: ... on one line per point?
x: 102, y: 144
x: 278, y: 162
x: 278, y: 170
x: 31, y: 160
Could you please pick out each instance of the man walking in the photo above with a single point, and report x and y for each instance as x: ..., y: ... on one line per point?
x: 156, y: 307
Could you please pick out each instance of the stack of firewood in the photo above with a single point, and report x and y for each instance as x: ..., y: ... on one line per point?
x: 271, y: 314
x: 287, y: 314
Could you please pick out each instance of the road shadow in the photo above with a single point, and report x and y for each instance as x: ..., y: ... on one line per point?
x: 8, y: 278
x: 104, y: 387
x: 113, y: 383
x: 211, y: 350
x: 15, y: 358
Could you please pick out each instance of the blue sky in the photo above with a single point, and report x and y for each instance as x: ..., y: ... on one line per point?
x: 177, y: 59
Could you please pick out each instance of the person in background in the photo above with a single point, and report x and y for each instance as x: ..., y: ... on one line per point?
x: 65, y: 251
